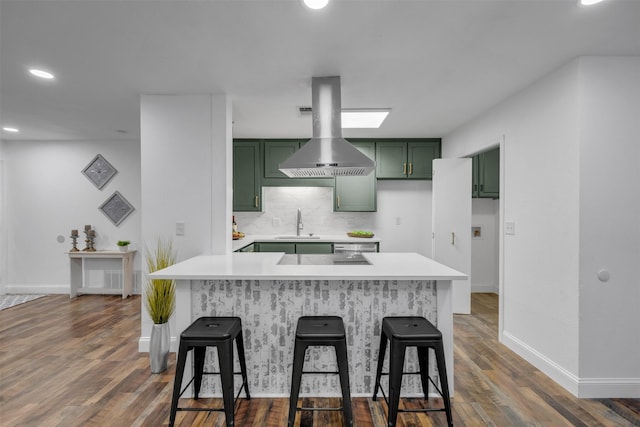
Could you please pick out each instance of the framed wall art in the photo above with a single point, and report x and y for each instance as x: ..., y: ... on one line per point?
x: 116, y: 208
x: 99, y: 171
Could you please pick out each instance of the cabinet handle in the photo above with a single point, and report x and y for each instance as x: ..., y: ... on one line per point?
x: 411, y: 168
x: 481, y: 187
x: 475, y: 187
x: 453, y: 238
x: 404, y: 169
x: 338, y: 201
x: 256, y: 201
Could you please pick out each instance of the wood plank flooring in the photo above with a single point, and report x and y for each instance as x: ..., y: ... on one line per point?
x: 76, y: 363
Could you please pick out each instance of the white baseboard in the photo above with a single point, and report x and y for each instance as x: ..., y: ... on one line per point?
x: 143, y: 344
x: 580, y: 387
x: 484, y: 288
x: 37, y: 289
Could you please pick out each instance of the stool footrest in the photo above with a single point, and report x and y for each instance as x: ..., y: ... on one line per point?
x: 321, y: 372
x: 301, y: 408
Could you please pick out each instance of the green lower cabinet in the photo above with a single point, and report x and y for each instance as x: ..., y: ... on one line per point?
x: 314, y: 248
x: 294, y: 248
x: 357, y: 193
x: 288, y: 248
x: 248, y: 248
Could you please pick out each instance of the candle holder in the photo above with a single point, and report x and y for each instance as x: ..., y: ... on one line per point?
x: 74, y: 242
x: 90, y: 236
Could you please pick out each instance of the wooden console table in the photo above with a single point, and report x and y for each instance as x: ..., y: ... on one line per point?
x: 77, y: 263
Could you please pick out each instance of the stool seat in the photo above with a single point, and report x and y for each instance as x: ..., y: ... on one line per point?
x: 212, y: 328
x: 320, y: 327
x: 410, y: 328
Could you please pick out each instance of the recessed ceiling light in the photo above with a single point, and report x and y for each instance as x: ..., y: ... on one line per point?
x: 41, y: 73
x: 315, y: 4
x: 589, y: 2
x: 364, y: 118
x: 10, y: 129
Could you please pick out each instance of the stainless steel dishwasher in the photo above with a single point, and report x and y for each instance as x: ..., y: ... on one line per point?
x: 354, y: 248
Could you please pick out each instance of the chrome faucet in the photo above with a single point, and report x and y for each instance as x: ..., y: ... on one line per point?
x: 299, y: 224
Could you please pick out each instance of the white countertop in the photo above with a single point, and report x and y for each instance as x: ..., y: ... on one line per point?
x: 264, y: 266
x: 321, y: 238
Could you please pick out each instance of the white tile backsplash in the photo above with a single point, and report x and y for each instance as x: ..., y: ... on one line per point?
x: 280, y: 207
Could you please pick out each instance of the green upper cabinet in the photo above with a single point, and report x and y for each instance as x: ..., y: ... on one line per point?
x: 357, y: 193
x: 276, y: 152
x: 486, y: 174
x: 246, y: 176
x: 406, y: 160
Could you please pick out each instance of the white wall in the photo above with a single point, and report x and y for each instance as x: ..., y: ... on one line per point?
x: 185, y: 176
x: 484, y: 250
x: 610, y: 222
x: 557, y: 138
x: 406, y: 202
x: 46, y: 196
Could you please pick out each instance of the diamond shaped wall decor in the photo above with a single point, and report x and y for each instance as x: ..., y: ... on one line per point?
x: 99, y: 171
x: 116, y: 208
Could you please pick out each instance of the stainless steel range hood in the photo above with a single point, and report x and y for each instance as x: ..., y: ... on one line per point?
x: 327, y: 153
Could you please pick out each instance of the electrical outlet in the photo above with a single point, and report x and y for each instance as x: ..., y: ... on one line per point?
x: 275, y: 221
x: 510, y: 228
x: 180, y: 228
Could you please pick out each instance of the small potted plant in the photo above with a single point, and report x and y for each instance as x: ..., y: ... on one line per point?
x: 123, y: 245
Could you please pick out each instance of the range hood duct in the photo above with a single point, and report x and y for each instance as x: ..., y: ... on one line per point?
x: 327, y: 153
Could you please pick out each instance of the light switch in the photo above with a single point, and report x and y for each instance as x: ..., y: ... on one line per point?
x: 510, y: 228
x: 180, y: 228
x: 398, y: 220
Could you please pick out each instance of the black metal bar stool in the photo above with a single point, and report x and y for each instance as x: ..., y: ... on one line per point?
x: 320, y: 331
x: 216, y: 332
x: 403, y: 332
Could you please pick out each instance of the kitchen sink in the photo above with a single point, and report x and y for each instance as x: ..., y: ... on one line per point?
x: 307, y: 237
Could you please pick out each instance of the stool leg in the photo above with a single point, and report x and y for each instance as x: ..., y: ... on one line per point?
x: 177, y: 383
x: 298, y: 361
x: 225, y: 356
x: 381, y: 353
x: 444, y: 383
x: 396, y: 364
x: 198, y: 369
x: 423, y: 359
x: 243, y: 363
x: 343, y: 370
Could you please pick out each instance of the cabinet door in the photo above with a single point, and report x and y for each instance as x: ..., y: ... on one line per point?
x: 276, y: 152
x: 391, y: 159
x: 314, y: 248
x: 248, y: 248
x: 420, y: 157
x: 357, y: 193
x: 288, y: 248
x: 474, y: 173
x: 246, y: 176
x: 489, y: 174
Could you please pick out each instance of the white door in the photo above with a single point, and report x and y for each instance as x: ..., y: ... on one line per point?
x: 452, y: 224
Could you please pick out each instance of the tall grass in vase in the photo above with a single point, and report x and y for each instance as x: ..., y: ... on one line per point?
x: 160, y: 302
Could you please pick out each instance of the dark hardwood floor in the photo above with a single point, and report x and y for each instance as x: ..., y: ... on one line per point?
x: 76, y: 363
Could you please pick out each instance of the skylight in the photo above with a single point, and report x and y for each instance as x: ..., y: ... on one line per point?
x: 363, y: 118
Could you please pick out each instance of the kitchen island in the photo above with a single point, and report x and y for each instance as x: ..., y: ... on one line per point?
x: 269, y: 297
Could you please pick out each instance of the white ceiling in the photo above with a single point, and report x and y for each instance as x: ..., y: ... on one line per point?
x: 436, y: 63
